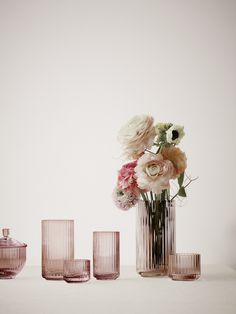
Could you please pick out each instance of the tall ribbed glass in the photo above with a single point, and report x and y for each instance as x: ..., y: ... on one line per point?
x: 57, y: 246
x: 106, y: 255
x: 155, y: 237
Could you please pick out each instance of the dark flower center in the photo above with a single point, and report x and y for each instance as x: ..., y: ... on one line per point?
x: 175, y: 135
x: 120, y: 193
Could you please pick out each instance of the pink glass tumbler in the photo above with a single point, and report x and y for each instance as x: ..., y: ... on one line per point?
x: 57, y: 246
x: 106, y: 255
x: 185, y: 266
x: 77, y: 270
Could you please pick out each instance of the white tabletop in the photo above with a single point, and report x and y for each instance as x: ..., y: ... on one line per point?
x: 214, y: 292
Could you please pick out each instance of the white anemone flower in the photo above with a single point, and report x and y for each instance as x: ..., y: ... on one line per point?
x: 174, y: 134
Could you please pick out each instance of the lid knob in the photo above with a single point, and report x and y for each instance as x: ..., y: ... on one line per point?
x: 5, y: 232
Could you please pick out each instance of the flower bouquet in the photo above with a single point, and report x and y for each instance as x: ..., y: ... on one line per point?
x: 155, y: 163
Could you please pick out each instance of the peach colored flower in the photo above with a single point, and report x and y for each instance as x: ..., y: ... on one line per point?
x: 177, y: 157
x: 137, y: 135
x: 153, y: 172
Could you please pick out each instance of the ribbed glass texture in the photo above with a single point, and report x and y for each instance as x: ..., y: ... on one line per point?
x: 185, y: 266
x: 106, y: 255
x: 12, y: 261
x: 77, y: 270
x: 57, y: 246
x: 155, y: 237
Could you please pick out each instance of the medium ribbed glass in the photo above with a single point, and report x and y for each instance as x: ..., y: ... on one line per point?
x: 106, y: 255
x: 185, y: 266
x: 57, y: 246
x: 155, y: 237
x: 77, y: 270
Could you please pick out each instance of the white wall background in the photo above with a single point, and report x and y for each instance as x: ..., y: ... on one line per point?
x: 72, y: 72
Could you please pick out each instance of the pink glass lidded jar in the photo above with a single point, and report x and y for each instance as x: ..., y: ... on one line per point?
x: 12, y: 256
x: 57, y: 246
x: 106, y: 255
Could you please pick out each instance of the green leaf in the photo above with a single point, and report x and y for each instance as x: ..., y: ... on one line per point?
x: 182, y: 192
x: 181, y: 179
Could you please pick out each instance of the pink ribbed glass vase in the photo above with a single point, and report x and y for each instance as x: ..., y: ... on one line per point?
x: 106, y: 255
x: 155, y: 237
x: 57, y: 246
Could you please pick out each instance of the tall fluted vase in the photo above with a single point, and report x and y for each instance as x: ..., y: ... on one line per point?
x: 57, y: 246
x: 155, y: 237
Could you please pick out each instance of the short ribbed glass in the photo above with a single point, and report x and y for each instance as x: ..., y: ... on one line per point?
x: 77, y: 270
x: 184, y: 266
x: 155, y: 237
x: 57, y: 246
x: 106, y: 255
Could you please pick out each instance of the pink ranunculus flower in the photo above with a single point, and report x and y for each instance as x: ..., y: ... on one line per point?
x: 127, y: 178
x: 153, y: 172
x: 124, y: 199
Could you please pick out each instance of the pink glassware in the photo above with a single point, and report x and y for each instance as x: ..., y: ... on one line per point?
x: 106, y: 255
x: 185, y: 266
x: 57, y: 246
x: 76, y: 270
x: 155, y: 237
x: 12, y: 256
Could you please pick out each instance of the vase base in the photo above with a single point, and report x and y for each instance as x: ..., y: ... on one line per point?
x: 107, y: 277
x: 76, y: 280
x: 7, y: 277
x: 153, y: 273
x: 7, y: 274
x: 186, y: 277
x: 51, y: 277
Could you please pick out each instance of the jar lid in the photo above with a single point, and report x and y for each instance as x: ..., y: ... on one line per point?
x: 7, y: 242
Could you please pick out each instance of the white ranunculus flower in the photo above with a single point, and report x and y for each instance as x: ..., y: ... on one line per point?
x: 137, y: 135
x: 174, y: 134
x: 153, y: 172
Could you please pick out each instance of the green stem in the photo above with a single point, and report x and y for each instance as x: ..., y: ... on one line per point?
x: 149, y: 151
x: 159, y: 149
x: 143, y: 195
x: 168, y: 194
x: 184, y: 187
x: 163, y: 195
x: 151, y: 194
